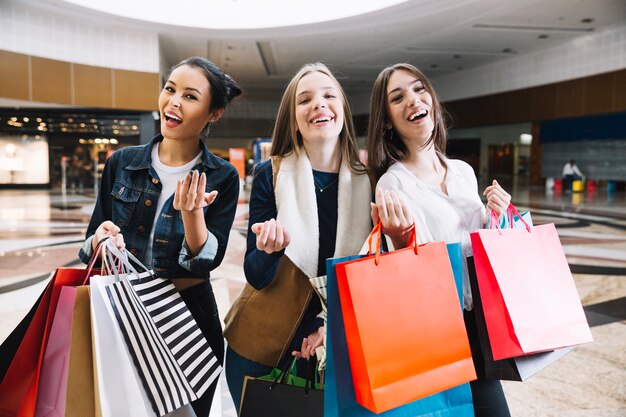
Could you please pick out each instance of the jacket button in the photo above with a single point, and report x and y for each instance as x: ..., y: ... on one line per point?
x: 141, y: 229
x: 148, y: 203
x: 134, y: 251
x: 155, y: 181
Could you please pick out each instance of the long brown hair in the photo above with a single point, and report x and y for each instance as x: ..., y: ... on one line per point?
x: 285, y: 137
x: 384, y: 146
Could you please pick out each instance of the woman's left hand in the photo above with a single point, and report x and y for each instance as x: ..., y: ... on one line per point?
x: 497, y: 199
x: 190, y: 193
x: 310, y: 343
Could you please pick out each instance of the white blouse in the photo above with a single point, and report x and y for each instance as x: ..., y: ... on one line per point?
x: 440, y: 217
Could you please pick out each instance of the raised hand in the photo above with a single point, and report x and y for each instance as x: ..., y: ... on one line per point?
x: 271, y: 236
x: 395, y: 218
x: 190, y: 193
x: 497, y: 199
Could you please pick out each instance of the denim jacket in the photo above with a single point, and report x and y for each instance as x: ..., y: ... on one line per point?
x: 128, y: 195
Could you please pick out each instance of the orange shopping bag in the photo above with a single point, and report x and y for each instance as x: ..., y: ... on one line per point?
x: 527, y: 291
x: 405, y: 332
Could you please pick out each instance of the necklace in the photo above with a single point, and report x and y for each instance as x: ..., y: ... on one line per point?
x: 327, y: 185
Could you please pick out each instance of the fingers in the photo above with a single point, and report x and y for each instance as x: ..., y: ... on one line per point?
x: 256, y: 228
x: 209, y: 197
x: 118, y: 240
x: 178, y: 195
x: 374, y: 213
x: 271, y: 236
x: 381, y: 203
x: 199, y: 190
x: 192, y: 191
x: 497, y: 199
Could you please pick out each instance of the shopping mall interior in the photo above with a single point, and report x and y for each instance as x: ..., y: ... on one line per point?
x: 527, y: 84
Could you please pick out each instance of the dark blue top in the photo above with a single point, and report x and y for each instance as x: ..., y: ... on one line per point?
x: 260, y: 267
x: 128, y: 195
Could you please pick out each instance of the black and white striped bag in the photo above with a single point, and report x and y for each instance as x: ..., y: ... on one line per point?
x: 174, y: 360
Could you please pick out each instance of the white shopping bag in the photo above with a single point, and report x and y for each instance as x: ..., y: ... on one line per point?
x: 119, y: 387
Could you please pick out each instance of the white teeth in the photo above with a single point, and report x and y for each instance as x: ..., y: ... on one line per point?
x: 321, y: 119
x: 173, y: 116
x: 418, y: 114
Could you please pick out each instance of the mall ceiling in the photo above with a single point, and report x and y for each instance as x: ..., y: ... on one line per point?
x: 439, y: 36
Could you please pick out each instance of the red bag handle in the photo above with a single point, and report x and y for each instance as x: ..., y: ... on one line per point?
x: 376, y: 233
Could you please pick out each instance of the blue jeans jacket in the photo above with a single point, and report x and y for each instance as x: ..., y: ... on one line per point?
x: 128, y: 195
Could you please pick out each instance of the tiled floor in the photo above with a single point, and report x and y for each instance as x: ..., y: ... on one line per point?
x: 41, y: 230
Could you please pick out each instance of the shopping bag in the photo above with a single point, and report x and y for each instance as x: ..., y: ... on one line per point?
x: 527, y: 291
x: 54, y: 366
x: 399, y: 302
x: 79, y: 400
x: 117, y: 386
x: 174, y: 359
x: 282, y: 394
x: 518, y: 368
x: 18, y: 390
x: 339, y: 395
x: 10, y: 345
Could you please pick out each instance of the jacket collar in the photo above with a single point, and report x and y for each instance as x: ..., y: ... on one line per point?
x: 143, y: 159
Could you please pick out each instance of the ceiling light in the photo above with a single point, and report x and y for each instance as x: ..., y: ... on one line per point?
x: 450, y: 51
x: 520, y: 28
x: 250, y: 14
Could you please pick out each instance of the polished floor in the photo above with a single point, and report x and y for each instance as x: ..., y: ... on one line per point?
x: 42, y: 230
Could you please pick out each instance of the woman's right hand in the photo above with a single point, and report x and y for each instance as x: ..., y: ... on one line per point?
x: 271, y: 236
x: 108, y: 229
x: 395, y: 218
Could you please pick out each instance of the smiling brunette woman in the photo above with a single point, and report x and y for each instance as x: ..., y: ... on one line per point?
x: 309, y: 203
x: 406, y: 148
x: 172, y: 202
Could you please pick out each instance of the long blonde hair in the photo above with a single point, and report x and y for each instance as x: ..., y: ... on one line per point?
x: 286, y: 138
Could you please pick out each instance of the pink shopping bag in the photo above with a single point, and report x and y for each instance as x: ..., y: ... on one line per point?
x: 54, y: 367
x: 527, y: 290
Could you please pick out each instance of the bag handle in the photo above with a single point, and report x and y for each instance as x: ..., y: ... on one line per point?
x: 376, y: 234
x: 97, y: 253
x: 124, y: 259
x: 511, y: 211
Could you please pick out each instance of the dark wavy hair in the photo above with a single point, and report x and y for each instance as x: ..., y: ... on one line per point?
x: 384, y: 146
x: 223, y: 87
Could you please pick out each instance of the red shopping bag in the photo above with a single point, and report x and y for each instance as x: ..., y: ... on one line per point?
x: 527, y: 291
x: 18, y: 389
x: 405, y: 332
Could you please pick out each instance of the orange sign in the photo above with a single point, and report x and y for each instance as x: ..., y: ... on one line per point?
x: 237, y: 157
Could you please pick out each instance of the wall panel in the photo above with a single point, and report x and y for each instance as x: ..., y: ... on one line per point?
x: 136, y: 90
x: 14, y: 75
x: 52, y: 82
x: 570, y: 98
x: 92, y: 86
